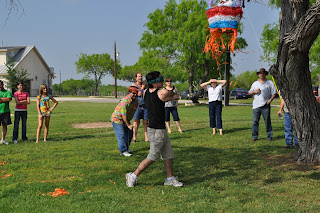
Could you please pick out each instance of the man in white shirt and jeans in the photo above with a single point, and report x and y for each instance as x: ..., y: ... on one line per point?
x: 264, y: 92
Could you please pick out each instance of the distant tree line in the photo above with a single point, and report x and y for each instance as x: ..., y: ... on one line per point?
x: 84, y: 87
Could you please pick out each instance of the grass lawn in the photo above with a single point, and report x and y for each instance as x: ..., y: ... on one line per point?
x: 221, y: 173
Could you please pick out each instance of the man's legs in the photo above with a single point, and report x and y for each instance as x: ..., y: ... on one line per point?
x: 255, y: 123
x: 120, y: 134
x: 4, y: 132
x: 168, y: 165
x: 128, y: 136
x: 265, y: 111
x: 288, y: 129
x: 142, y: 166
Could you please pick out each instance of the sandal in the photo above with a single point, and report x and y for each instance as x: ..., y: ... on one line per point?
x: 134, y: 141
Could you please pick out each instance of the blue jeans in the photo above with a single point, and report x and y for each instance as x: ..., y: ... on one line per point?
x: 288, y: 131
x: 215, y: 109
x: 124, y: 136
x: 17, y: 115
x: 265, y: 112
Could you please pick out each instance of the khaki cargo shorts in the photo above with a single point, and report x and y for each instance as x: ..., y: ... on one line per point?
x: 160, y: 145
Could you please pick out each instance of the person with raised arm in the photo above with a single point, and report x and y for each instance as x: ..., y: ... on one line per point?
x: 160, y: 144
x: 215, y: 103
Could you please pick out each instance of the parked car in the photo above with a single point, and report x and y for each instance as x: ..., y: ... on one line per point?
x: 239, y: 93
x: 315, y: 90
x: 184, y: 94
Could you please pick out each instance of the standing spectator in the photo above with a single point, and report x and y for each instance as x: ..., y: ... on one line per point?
x: 160, y: 144
x: 171, y: 106
x: 22, y: 100
x: 142, y: 112
x: 215, y: 103
x: 264, y: 92
x: 44, y: 111
x: 5, y: 119
x: 288, y: 126
x: 120, y: 119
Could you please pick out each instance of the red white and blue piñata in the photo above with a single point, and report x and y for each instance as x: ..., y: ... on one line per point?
x: 223, y: 19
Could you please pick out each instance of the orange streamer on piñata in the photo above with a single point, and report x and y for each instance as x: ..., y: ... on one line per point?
x: 216, y: 44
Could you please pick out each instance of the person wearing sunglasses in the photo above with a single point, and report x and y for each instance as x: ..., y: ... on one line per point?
x: 120, y: 119
x: 171, y: 107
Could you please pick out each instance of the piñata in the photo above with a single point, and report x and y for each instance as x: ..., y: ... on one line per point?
x: 223, y: 20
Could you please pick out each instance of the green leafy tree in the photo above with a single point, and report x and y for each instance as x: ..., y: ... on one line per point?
x: 97, y: 65
x: 176, y: 37
x: 174, y: 40
x: 245, y: 79
x: 15, y: 76
x: 75, y: 87
x: 270, y: 44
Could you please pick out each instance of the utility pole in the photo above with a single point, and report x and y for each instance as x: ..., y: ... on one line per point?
x: 115, y: 70
x: 60, y: 84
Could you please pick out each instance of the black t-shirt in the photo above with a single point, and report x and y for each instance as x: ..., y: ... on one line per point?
x: 155, y: 106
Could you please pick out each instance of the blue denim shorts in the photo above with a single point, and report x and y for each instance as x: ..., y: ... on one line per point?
x: 174, y: 113
x: 141, y: 113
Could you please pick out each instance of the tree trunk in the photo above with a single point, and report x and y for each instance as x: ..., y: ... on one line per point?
x: 299, y: 28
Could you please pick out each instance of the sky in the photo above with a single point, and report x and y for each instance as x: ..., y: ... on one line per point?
x: 62, y: 29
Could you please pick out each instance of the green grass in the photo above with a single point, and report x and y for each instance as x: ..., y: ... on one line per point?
x: 221, y: 173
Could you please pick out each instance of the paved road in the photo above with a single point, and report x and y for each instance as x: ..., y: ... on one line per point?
x: 114, y: 100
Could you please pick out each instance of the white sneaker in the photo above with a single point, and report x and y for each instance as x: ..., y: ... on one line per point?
x: 5, y: 142
x: 131, y: 180
x: 174, y: 182
x: 15, y: 141
x: 126, y: 154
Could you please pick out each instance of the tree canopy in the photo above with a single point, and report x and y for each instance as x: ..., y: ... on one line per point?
x: 97, y: 65
x: 173, y: 44
x: 15, y: 76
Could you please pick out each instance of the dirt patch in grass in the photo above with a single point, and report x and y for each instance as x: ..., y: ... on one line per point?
x: 287, y: 161
x: 93, y: 125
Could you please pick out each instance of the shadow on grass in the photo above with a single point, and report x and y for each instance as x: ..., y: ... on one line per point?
x: 200, y: 164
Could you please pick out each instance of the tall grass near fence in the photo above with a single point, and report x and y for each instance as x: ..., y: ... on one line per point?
x: 221, y: 173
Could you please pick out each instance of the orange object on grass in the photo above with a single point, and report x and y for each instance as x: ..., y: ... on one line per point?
x: 7, y: 175
x: 58, y: 192
x: 3, y: 163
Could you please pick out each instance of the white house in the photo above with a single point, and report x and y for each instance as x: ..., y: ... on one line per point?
x: 28, y: 58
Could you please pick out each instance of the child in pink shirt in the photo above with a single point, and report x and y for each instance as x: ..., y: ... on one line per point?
x: 22, y: 100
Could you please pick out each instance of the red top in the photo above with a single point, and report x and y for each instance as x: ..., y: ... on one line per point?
x: 22, y: 96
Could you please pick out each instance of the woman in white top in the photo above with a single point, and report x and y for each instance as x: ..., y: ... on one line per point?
x: 215, y: 103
